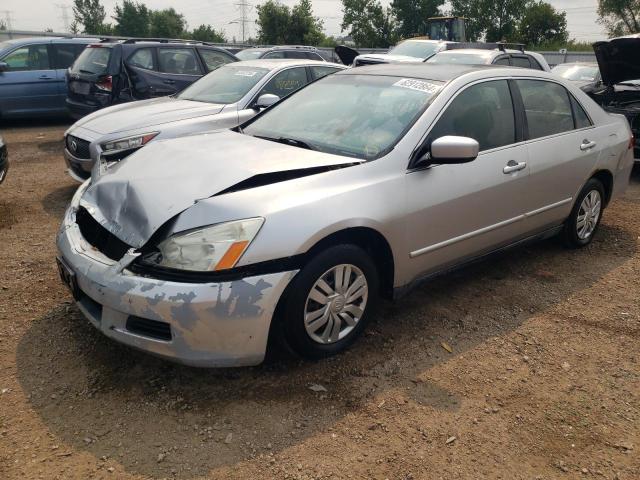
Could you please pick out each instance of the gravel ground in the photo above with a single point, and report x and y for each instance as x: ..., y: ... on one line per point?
x: 542, y: 380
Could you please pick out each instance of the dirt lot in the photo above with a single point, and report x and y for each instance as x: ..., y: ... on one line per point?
x: 543, y: 380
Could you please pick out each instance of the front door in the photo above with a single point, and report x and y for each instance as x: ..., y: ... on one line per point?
x: 456, y: 212
x: 29, y: 84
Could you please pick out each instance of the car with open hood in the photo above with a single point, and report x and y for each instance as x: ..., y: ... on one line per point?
x: 619, y: 64
x: 229, y: 95
x: 412, y: 50
x: 292, y: 225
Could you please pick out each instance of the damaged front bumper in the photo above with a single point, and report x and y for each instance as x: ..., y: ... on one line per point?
x: 201, y: 324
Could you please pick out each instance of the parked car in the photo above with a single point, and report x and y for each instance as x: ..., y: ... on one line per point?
x: 32, y: 75
x: 360, y: 185
x: 413, y: 50
x: 224, y: 98
x: 492, y: 54
x: 619, y: 64
x: 585, y: 75
x: 299, y: 52
x: 112, y: 72
x: 4, y: 160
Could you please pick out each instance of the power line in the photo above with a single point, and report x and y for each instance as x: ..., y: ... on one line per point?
x: 244, y: 8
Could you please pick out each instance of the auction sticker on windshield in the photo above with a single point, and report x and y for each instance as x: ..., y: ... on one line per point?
x: 246, y: 73
x: 420, y: 85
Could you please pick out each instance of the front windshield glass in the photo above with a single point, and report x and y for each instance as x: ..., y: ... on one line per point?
x: 459, y: 58
x: 249, y: 54
x: 577, y: 73
x: 227, y: 84
x: 360, y: 116
x: 415, y: 49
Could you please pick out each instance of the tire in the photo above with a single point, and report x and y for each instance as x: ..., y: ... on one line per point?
x: 590, y: 199
x: 302, y: 339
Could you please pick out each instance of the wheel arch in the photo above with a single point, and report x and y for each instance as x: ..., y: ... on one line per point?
x: 606, y: 178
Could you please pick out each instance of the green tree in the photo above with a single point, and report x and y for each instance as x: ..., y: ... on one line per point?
x: 132, y: 19
x: 278, y: 24
x: 411, y: 15
x: 542, y: 24
x: 620, y: 17
x: 369, y: 23
x: 273, y: 22
x: 494, y: 19
x: 167, y: 23
x: 206, y: 33
x: 90, y: 14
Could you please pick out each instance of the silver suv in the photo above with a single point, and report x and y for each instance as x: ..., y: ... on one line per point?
x: 362, y: 184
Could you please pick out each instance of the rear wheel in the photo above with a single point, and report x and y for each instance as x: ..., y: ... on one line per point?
x: 584, y: 220
x: 329, y: 302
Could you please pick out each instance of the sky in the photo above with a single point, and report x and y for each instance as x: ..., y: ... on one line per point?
x: 41, y: 14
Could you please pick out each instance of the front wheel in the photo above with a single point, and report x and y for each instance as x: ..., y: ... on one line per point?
x: 584, y: 219
x: 329, y: 302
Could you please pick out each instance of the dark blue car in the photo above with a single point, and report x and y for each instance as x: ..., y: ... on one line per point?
x: 32, y: 75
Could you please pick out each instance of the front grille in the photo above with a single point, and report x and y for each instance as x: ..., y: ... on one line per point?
x: 99, y: 237
x: 149, y: 328
x: 78, y: 147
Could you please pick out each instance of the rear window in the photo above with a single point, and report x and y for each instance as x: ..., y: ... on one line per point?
x: 142, y: 58
x: 93, y: 59
x: 181, y: 61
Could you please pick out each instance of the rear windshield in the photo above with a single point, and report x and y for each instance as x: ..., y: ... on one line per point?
x: 227, y: 84
x: 94, y: 60
x: 460, y: 58
x: 249, y: 54
x: 415, y: 49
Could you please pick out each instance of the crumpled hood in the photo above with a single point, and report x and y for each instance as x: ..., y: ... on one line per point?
x: 619, y: 59
x: 387, y: 58
x: 134, y: 198
x: 149, y: 113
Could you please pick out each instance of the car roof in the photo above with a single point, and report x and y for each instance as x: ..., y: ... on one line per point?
x: 30, y: 40
x: 423, y: 40
x: 427, y: 71
x: 274, y: 63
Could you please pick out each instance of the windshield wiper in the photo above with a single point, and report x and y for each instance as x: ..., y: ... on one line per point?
x: 87, y: 71
x: 289, y: 141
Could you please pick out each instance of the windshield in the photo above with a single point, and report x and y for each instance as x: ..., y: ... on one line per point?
x: 361, y: 116
x: 249, y: 54
x: 227, y: 84
x: 460, y: 58
x: 415, y: 49
x: 577, y: 73
x: 92, y: 60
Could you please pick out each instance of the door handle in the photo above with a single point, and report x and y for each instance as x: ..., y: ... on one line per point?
x: 45, y: 77
x: 169, y: 82
x: 513, y: 166
x: 586, y: 145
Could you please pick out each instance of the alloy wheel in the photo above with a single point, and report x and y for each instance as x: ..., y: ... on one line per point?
x: 588, y: 214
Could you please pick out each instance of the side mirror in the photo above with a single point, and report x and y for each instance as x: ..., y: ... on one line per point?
x: 266, y: 100
x: 4, y: 66
x: 452, y: 149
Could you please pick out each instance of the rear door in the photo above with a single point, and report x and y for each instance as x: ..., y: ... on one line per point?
x: 29, y: 84
x: 178, y: 67
x: 63, y: 56
x: 563, y: 146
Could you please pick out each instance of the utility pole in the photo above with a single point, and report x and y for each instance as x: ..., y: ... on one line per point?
x: 64, y: 15
x: 244, y: 8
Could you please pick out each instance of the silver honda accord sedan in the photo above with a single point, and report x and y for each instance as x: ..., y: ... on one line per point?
x: 357, y: 187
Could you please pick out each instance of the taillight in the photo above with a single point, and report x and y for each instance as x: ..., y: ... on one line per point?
x: 632, y: 142
x: 105, y: 83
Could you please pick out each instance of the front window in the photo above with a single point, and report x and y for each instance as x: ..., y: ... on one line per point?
x: 360, y: 116
x: 93, y: 60
x: 461, y: 58
x: 227, y: 84
x: 32, y: 57
x: 249, y: 54
x: 415, y: 49
x: 577, y: 73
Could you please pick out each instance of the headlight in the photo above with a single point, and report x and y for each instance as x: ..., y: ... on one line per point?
x: 128, y: 143
x: 212, y: 248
